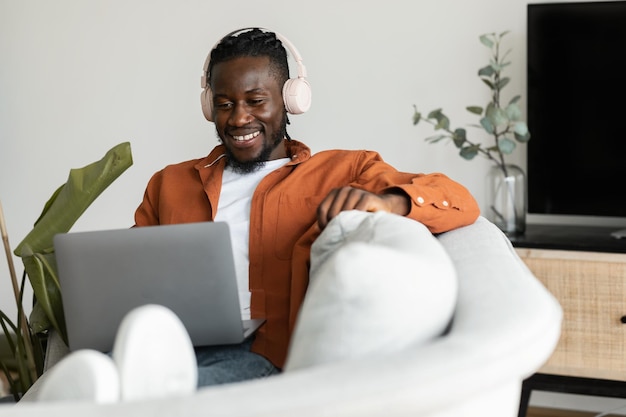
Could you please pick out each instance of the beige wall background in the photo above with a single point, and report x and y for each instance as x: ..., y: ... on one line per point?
x: 77, y: 77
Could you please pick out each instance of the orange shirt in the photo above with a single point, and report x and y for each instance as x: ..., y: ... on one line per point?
x: 283, y: 222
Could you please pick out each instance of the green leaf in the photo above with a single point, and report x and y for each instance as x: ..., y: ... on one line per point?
x: 459, y: 137
x: 506, y: 145
x: 489, y: 83
x: 496, y: 67
x: 48, y: 204
x: 39, y: 320
x: 486, y: 123
x: 45, y: 283
x: 503, y: 82
x: 442, y: 120
x: 443, y: 123
x: 69, y: 202
x: 522, y: 138
x: 475, y: 110
x: 486, y: 40
x: 417, y: 116
x: 62, y: 210
x: 435, y: 114
x: 435, y: 138
x: 520, y: 130
x: 41, y: 270
x: 9, y: 331
x: 513, y: 112
x: 515, y: 99
x: 496, y: 116
x: 487, y: 71
x: 469, y: 152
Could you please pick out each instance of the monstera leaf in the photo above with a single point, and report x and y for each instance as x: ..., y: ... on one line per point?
x: 60, y: 213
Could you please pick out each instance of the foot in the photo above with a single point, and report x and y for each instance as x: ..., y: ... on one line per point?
x: 154, y: 355
x: 84, y: 375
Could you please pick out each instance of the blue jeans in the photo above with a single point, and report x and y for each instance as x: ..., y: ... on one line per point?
x: 231, y: 363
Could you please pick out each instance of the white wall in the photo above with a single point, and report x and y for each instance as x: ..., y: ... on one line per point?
x: 78, y: 77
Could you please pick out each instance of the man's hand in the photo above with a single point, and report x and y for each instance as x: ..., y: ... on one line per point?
x: 348, y: 198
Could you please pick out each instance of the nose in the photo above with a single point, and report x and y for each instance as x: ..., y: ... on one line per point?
x: 240, y: 116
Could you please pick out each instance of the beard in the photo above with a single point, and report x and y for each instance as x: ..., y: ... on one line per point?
x: 247, y: 167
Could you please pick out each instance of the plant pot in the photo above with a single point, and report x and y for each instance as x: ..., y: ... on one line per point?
x: 506, y: 198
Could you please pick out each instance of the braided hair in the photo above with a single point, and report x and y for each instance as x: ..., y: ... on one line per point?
x: 254, y: 42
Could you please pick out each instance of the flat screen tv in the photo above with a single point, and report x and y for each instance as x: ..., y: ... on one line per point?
x: 576, y: 113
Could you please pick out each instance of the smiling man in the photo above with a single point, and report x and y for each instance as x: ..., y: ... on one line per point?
x: 250, y: 115
x: 276, y: 196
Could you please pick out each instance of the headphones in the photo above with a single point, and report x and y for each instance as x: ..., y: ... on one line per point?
x: 296, y: 91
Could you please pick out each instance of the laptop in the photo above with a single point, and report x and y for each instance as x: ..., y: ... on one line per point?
x: 188, y: 268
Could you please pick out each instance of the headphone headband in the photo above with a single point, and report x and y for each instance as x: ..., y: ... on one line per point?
x: 296, y: 91
x: 290, y: 47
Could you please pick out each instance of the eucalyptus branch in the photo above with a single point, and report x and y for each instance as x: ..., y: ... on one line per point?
x: 504, y: 124
x: 452, y: 136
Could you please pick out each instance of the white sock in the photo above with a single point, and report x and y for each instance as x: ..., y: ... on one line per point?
x: 83, y: 375
x: 154, y: 355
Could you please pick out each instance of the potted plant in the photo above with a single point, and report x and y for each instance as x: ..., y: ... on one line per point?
x: 506, y: 191
x: 26, y: 336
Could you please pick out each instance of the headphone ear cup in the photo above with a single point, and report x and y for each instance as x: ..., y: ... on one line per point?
x: 206, y: 99
x: 297, y: 95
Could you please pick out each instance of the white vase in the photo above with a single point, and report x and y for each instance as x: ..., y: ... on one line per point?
x: 506, y: 198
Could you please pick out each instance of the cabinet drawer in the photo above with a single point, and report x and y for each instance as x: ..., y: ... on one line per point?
x: 591, y: 288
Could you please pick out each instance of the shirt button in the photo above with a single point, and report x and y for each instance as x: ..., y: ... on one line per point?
x: 420, y: 200
x: 445, y: 203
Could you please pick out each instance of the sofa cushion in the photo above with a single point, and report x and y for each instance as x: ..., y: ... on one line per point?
x: 379, y: 283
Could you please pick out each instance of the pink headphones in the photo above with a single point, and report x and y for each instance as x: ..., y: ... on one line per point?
x: 296, y: 91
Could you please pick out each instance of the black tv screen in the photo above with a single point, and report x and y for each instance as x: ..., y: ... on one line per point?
x: 577, y: 108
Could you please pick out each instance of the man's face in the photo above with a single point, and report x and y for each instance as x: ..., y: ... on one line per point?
x: 249, y: 112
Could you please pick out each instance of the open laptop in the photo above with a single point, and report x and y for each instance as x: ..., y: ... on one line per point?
x: 188, y: 268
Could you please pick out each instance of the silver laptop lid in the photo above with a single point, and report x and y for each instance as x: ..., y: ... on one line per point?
x: 188, y: 268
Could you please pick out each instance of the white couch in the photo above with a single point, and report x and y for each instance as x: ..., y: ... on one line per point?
x: 505, y: 326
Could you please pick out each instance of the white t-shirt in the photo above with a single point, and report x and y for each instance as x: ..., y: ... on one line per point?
x: 234, y: 208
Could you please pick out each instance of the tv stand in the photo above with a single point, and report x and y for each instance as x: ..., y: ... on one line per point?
x: 585, y: 269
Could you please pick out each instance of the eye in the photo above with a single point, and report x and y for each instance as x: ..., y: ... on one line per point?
x: 256, y: 101
x: 223, y: 105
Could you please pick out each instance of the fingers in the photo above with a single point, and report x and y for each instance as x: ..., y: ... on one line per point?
x: 348, y: 198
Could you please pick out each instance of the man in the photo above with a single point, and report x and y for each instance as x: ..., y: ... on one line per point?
x: 277, y: 197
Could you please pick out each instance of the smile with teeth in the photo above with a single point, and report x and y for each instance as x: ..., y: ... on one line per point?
x: 247, y: 137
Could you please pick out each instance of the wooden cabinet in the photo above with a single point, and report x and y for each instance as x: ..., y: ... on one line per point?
x: 591, y: 287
